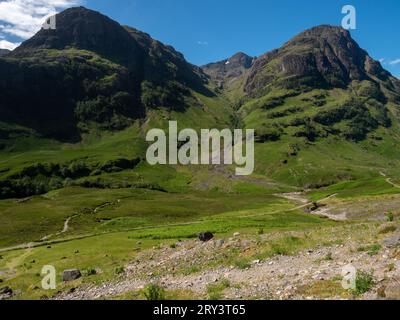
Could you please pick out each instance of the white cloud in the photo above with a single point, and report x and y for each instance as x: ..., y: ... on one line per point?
x: 23, y: 18
x: 4, y: 44
x: 202, y: 43
x: 394, y: 62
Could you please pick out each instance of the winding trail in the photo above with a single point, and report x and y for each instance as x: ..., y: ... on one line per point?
x: 45, y: 241
x: 389, y: 180
x: 64, y: 230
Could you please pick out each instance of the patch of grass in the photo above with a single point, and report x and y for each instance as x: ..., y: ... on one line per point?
x: 119, y: 270
x: 215, y: 291
x: 324, y: 289
x: 328, y: 257
x: 242, y: 264
x: 372, y: 250
x: 90, y: 272
x: 190, y: 270
x: 388, y: 229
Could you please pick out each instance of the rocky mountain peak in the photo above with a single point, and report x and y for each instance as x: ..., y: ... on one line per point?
x: 323, y: 56
x: 229, y: 69
x: 84, y: 29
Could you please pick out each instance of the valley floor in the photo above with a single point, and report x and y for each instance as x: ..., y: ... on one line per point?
x: 295, y: 248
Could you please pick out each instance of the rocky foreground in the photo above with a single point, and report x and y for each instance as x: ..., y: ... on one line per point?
x: 313, y: 273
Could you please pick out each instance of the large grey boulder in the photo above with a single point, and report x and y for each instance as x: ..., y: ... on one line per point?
x: 70, y: 275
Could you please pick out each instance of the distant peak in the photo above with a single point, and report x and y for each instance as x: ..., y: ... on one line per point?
x: 327, y: 32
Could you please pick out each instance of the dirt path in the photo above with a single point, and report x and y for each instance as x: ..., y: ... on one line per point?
x: 389, y: 180
x: 46, y: 240
x: 64, y: 230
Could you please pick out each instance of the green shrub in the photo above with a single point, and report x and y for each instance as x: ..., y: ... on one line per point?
x: 90, y: 272
x: 364, y: 282
x: 154, y: 292
x: 119, y: 270
x: 390, y: 216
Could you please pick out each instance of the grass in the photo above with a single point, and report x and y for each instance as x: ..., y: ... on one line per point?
x: 116, y: 223
x: 324, y: 289
x: 364, y: 283
x: 215, y: 291
x: 371, y: 250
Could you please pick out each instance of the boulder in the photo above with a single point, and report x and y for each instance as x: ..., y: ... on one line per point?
x: 205, y: 236
x: 219, y: 243
x: 390, y: 292
x: 6, y: 293
x: 70, y: 275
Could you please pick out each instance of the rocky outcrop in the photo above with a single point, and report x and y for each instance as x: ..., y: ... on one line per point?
x: 229, y: 69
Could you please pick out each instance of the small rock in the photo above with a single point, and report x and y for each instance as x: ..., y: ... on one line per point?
x: 392, y: 241
x: 6, y: 290
x: 392, y: 291
x: 219, y: 243
x: 236, y: 234
x: 70, y: 275
x: 5, y: 293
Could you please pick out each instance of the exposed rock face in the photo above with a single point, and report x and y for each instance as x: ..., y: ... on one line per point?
x: 324, y: 56
x: 230, y: 68
x: 3, y: 52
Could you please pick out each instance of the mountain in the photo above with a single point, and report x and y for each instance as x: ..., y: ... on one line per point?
x: 317, y: 98
x: 3, y: 52
x: 92, y: 72
x: 229, y: 69
x: 319, y: 83
x: 324, y: 56
x: 323, y: 110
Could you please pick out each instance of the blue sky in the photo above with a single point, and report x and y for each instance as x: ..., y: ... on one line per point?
x: 211, y: 30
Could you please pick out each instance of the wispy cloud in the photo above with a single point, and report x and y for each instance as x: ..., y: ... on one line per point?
x: 4, y: 44
x: 394, y: 62
x: 202, y: 43
x: 23, y: 18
